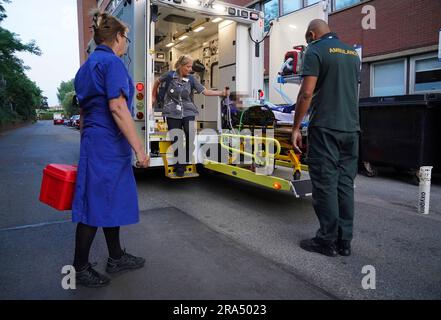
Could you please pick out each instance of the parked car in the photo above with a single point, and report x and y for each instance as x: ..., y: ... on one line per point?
x: 76, y: 121
x: 58, y: 118
x: 69, y: 122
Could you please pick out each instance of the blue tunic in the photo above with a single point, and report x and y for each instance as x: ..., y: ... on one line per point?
x: 105, y: 194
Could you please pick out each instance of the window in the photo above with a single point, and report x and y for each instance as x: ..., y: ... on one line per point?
x: 271, y: 10
x: 425, y: 74
x: 340, y: 4
x: 309, y: 2
x: 388, y: 78
x: 291, y: 5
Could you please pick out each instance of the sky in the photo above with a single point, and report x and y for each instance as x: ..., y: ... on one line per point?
x: 53, y: 25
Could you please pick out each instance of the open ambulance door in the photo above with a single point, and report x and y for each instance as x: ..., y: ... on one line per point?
x: 287, y: 32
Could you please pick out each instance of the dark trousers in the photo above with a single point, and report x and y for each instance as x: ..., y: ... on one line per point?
x: 183, y: 124
x: 333, y: 165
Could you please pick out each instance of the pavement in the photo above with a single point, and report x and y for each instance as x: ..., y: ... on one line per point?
x: 214, y: 237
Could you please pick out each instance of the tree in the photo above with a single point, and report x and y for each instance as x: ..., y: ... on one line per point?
x: 19, y: 95
x: 2, y: 9
x: 65, y: 88
x: 24, y: 97
x: 70, y: 104
x: 44, y: 104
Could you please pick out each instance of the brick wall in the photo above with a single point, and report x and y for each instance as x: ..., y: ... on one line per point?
x: 243, y: 3
x: 84, y: 22
x: 401, y: 25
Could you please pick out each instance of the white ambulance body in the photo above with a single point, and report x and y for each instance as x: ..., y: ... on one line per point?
x: 218, y: 34
x: 228, y: 40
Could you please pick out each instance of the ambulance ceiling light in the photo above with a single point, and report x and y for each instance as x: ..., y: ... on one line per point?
x: 219, y: 8
x: 199, y: 29
x: 217, y: 20
x: 193, y: 3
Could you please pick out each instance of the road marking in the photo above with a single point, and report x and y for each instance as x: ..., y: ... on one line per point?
x: 35, y: 225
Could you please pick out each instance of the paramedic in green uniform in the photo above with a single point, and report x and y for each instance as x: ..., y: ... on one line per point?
x: 331, y: 73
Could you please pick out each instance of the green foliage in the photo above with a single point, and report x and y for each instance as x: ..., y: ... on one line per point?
x: 8, y: 116
x: 64, y: 89
x: 2, y: 9
x: 46, y: 116
x: 19, y: 96
x: 43, y: 103
x: 69, y: 104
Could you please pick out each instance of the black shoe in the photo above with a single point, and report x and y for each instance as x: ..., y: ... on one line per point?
x: 344, y: 248
x: 180, y: 170
x: 126, y: 262
x: 89, y: 277
x: 313, y: 245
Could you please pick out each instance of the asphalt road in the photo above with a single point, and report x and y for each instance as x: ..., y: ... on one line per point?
x: 214, y: 237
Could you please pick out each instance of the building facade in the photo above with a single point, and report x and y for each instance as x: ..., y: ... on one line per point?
x: 400, y: 54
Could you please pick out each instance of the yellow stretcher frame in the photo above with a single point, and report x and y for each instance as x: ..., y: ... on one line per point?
x: 298, y: 187
x: 272, y: 182
x: 269, y: 181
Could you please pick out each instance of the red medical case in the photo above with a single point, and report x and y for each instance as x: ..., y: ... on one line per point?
x: 58, y: 186
x: 294, y: 68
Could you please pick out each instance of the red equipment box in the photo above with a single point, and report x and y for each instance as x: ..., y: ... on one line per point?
x: 294, y: 67
x: 58, y: 186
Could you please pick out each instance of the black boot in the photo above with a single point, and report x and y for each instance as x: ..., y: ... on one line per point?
x: 126, y: 262
x: 91, y: 278
x: 315, y: 245
x: 344, y: 248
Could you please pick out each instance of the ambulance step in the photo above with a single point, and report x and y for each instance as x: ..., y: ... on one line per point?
x: 190, y: 172
x: 302, y: 188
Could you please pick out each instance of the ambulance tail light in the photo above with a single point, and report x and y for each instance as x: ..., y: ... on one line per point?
x: 140, y: 115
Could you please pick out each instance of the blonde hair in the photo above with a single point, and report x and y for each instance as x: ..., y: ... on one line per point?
x: 183, y: 61
x: 106, y: 27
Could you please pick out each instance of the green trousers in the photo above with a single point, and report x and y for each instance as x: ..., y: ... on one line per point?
x: 333, y: 165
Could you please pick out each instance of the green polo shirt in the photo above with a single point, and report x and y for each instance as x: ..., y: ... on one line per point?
x: 335, y: 100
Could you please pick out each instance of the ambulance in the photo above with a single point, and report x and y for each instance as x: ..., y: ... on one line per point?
x: 228, y: 40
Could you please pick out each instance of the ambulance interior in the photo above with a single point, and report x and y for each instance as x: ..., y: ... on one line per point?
x: 224, y: 48
x: 179, y: 32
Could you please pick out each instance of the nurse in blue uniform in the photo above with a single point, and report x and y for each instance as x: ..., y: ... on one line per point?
x: 106, y: 194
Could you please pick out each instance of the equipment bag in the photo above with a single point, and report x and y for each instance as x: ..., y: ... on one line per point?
x: 294, y: 61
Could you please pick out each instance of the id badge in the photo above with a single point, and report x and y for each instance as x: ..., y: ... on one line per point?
x: 178, y: 107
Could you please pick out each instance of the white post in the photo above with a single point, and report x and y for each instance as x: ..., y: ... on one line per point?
x: 425, y: 175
